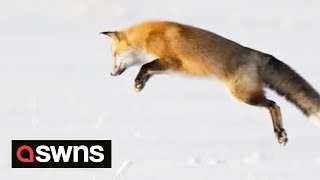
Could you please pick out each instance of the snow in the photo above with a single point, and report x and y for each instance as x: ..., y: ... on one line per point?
x: 55, y: 84
x: 121, y: 172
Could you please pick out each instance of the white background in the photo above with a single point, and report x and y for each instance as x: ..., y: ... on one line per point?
x: 55, y: 84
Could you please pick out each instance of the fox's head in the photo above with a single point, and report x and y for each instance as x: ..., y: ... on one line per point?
x: 125, y: 55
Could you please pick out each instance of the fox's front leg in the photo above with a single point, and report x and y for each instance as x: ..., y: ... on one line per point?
x: 146, y: 71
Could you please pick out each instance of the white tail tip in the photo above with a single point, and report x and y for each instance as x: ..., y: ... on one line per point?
x: 315, y: 119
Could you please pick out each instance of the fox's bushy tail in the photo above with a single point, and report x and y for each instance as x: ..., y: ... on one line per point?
x: 286, y: 82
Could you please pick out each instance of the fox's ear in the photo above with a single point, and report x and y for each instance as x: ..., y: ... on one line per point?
x: 113, y: 35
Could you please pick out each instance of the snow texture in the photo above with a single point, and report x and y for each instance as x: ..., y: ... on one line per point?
x: 123, y: 169
x: 56, y: 84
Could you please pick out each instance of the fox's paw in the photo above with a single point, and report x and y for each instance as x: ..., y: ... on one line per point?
x: 138, y: 86
x: 281, y: 136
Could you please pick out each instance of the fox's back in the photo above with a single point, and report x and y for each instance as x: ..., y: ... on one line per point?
x: 200, y: 52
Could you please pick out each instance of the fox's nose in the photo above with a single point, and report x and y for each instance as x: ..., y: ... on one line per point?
x: 112, y: 74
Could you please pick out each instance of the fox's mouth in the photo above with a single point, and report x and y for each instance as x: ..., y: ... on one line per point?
x: 118, y: 72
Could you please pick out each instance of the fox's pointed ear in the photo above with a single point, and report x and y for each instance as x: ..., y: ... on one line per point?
x: 113, y: 35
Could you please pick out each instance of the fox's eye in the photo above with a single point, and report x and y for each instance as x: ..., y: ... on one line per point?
x: 114, y: 54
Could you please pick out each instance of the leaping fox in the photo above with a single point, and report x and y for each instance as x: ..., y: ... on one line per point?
x: 162, y: 46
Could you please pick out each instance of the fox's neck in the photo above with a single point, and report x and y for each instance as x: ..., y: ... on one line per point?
x: 140, y: 56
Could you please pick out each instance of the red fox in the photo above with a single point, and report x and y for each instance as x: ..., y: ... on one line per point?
x: 162, y: 46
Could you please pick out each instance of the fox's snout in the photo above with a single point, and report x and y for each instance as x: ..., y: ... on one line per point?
x: 117, y: 70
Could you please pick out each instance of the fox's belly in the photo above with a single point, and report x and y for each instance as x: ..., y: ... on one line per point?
x: 200, y: 69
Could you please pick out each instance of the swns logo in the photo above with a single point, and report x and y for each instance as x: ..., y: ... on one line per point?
x: 61, y: 153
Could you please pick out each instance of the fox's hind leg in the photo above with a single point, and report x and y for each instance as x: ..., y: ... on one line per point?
x: 146, y: 71
x: 255, y: 96
x: 275, y: 112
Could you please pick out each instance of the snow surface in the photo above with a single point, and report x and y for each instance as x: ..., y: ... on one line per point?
x: 55, y: 84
